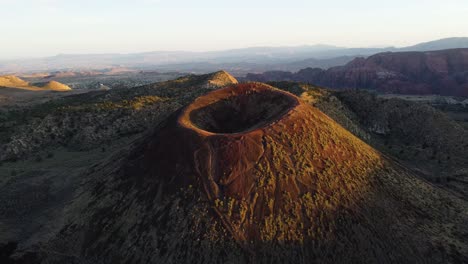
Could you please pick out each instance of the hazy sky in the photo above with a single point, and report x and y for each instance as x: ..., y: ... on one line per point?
x: 49, y: 27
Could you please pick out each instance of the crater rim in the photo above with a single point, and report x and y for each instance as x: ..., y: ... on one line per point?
x: 238, y: 109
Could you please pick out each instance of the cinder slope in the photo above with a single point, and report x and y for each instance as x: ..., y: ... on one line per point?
x: 261, y: 156
x: 253, y: 174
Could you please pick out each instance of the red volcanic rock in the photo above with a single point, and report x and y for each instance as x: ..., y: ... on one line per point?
x: 442, y: 72
x: 263, y: 158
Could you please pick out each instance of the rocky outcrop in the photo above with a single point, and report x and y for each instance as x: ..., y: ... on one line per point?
x: 436, y: 72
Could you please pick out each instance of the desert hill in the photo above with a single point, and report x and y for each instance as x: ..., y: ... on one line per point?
x: 54, y: 86
x: 220, y: 78
x: 250, y: 173
x: 10, y: 81
x: 434, y: 72
x: 246, y: 137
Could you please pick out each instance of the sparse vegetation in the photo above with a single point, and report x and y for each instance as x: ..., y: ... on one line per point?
x: 316, y: 193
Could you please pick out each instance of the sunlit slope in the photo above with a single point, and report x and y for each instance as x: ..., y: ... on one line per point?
x: 10, y: 81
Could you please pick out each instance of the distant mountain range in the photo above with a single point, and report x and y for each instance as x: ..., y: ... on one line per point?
x: 237, y: 61
x: 443, y: 72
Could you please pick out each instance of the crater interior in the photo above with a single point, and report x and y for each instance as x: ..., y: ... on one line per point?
x: 242, y: 112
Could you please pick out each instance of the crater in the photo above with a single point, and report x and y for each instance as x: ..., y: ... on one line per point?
x: 242, y: 111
